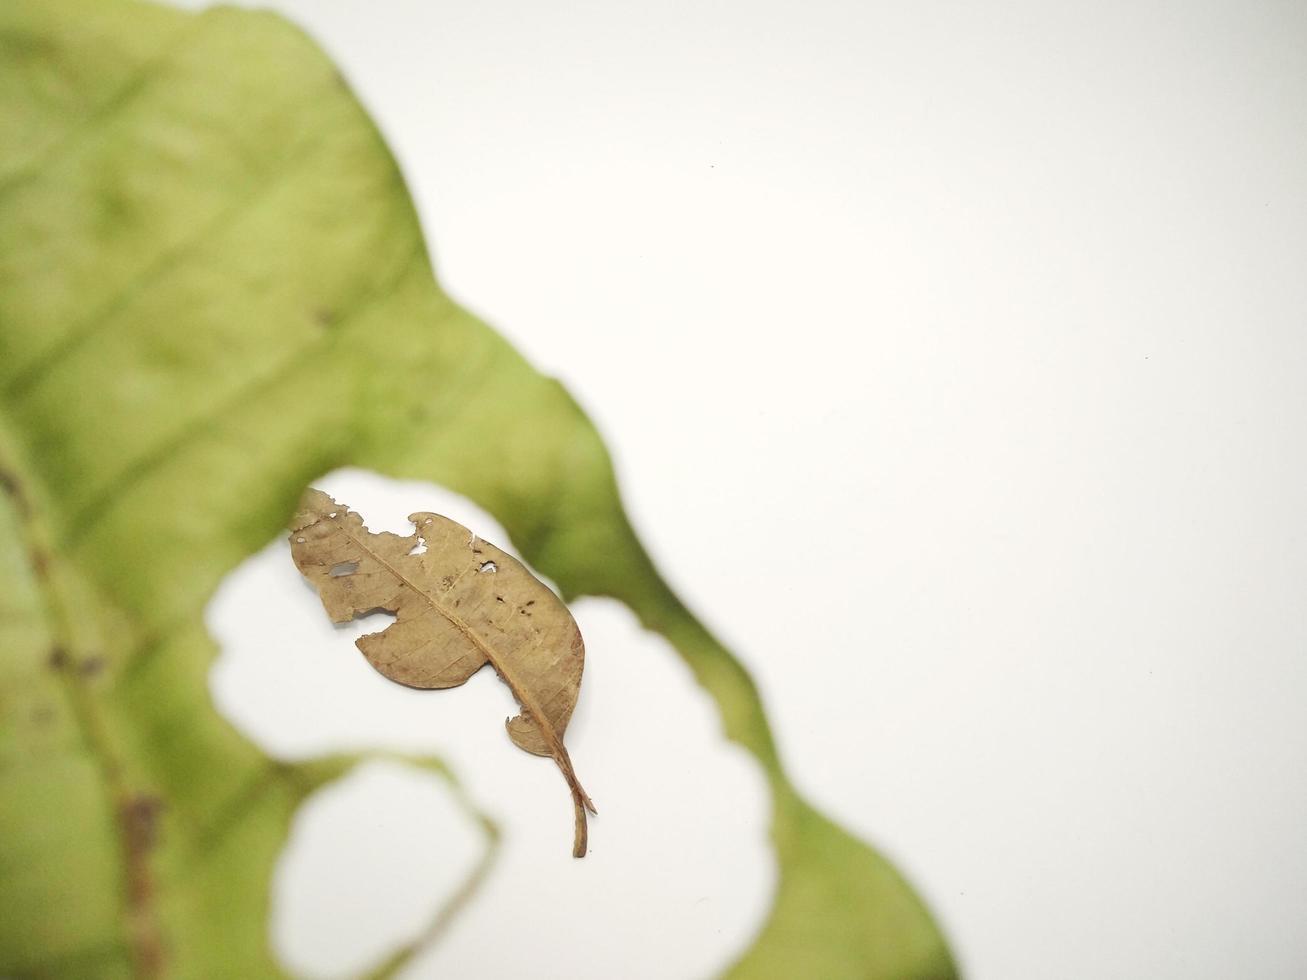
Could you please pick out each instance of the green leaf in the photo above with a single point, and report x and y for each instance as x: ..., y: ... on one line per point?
x: 213, y: 289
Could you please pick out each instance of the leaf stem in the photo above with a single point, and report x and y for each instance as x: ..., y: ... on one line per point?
x: 580, y: 800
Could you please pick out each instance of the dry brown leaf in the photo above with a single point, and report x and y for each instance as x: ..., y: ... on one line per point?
x: 460, y: 604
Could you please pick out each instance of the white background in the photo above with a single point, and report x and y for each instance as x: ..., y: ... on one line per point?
x: 952, y: 357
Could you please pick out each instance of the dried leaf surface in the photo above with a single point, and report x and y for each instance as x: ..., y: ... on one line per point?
x: 459, y: 604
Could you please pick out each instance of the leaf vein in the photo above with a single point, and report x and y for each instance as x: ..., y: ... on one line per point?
x: 169, y: 260
x: 136, y: 471
x: 150, y: 71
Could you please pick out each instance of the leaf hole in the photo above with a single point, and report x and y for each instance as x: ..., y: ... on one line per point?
x: 489, y: 566
x: 343, y: 568
x: 420, y: 548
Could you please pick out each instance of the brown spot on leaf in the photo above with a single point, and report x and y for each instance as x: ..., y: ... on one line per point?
x: 9, y: 482
x: 138, y: 815
x: 140, y: 818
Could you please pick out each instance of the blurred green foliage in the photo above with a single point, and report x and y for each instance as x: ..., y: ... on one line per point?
x: 213, y: 289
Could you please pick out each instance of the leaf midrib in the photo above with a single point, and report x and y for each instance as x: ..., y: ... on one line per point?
x: 142, y: 936
x: 520, y: 691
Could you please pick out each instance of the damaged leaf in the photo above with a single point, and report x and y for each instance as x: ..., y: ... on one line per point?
x: 208, y: 259
x: 459, y: 604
